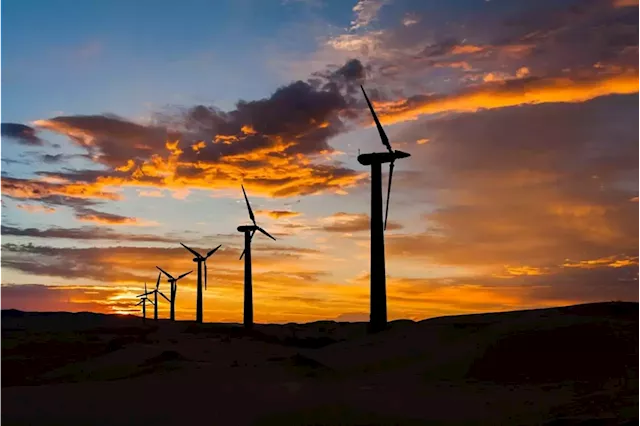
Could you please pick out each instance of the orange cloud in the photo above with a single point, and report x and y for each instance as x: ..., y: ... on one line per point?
x: 461, y: 65
x: 522, y: 72
x: 277, y: 214
x: 611, y: 262
x: 36, y: 208
x: 625, y: 3
x: 198, y: 146
x: 467, y: 48
x: 35, y: 189
x: 510, y: 93
x: 248, y: 130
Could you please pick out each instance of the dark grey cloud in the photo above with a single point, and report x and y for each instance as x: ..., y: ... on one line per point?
x: 23, y: 134
x: 91, y: 215
x: 302, y: 115
x: 84, y: 233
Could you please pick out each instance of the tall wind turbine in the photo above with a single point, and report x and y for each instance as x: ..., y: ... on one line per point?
x: 143, y: 301
x: 155, y: 297
x: 174, y: 288
x: 378, y: 291
x: 248, y: 231
x: 199, y: 259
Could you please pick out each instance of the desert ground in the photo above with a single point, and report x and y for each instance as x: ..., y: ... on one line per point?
x: 559, y: 366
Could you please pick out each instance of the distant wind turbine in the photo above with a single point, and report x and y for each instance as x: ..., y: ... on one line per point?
x: 143, y: 301
x: 199, y: 259
x: 155, y: 293
x: 174, y: 289
x: 378, y: 291
x: 248, y: 231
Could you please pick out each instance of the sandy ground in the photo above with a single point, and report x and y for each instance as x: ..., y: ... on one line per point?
x: 558, y: 366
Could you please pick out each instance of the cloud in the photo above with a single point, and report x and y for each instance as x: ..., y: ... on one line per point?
x: 525, y: 187
x: 41, y: 189
x: 366, y: 11
x: 277, y: 214
x: 59, y: 158
x: 23, y: 134
x: 510, y: 93
x: 89, y: 215
x: 625, y: 3
x: 43, y: 298
x: 551, y: 40
x: 34, y: 208
x: 84, y: 233
x: 349, y: 222
x: 253, y: 143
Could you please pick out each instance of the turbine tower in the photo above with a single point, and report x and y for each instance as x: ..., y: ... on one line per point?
x: 155, y: 297
x: 248, y: 231
x: 143, y: 301
x: 378, y: 291
x: 174, y: 288
x: 199, y: 259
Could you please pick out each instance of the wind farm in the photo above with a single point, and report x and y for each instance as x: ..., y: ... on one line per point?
x: 361, y: 212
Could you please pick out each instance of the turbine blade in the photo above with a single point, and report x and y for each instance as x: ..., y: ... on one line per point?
x: 141, y: 295
x: 266, y: 233
x: 191, y: 250
x: 139, y: 303
x: 145, y: 288
x: 165, y: 272
x: 150, y: 301
x: 386, y: 213
x: 213, y: 251
x: 166, y: 298
x: 183, y: 275
x: 205, y: 274
x: 383, y: 135
x: 158, y: 282
x: 242, y: 255
x: 253, y: 218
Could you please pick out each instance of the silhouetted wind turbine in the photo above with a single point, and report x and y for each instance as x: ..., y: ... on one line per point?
x: 248, y: 231
x: 143, y: 301
x: 199, y: 259
x: 155, y: 298
x: 174, y: 289
x: 378, y: 291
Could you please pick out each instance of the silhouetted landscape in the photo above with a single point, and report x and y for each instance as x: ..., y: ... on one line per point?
x: 558, y: 366
x: 458, y: 178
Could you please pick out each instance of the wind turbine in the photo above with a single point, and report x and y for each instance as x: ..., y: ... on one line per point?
x: 174, y: 289
x: 143, y: 301
x: 378, y: 291
x: 155, y: 297
x: 199, y: 259
x: 248, y: 231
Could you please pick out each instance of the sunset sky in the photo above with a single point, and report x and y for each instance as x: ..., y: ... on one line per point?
x: 128, y: 127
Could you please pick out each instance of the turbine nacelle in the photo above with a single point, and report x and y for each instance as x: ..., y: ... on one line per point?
x: 251, y: 228
x: 381, y: 157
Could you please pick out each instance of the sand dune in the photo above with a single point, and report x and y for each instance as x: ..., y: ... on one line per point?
x: 549, y: 366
